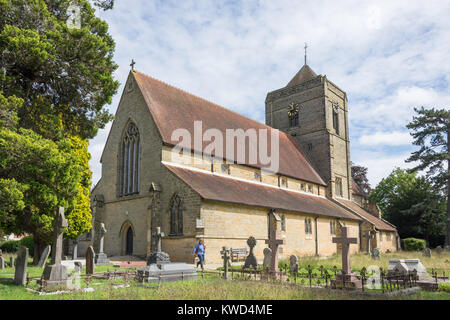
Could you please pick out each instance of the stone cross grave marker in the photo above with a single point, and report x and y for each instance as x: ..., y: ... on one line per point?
x: 367, y: 235
x: 226, y: 260
x: 267, y: 258
x: 427, y: 252
x: 250, y: 261
x: 101, y: 257
x: 273, y: 243
x: 44, y: 256
x: 55, y: 271
x: 345, y: 241
x: 90, y: 254
x: 293, y: 263
x: 158, y: 235
x: 20, y: 275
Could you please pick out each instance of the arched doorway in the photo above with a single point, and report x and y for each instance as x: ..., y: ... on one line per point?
x: 129, y: 242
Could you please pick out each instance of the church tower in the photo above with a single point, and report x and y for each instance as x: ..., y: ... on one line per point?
x: 314, y: 111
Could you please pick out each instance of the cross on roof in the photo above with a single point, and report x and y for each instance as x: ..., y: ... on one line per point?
x: 132, y: 64
x: 345, y: 241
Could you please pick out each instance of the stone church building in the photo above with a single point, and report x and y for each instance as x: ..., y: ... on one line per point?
x: 147, y: 183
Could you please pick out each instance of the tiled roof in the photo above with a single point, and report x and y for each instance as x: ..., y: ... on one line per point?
x: 304, y: 74
x: 379, y: 223
x: 173, y: 108
x: 224, y: 189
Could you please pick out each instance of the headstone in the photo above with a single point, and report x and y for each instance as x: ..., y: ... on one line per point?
x: 90, y: 254
x: 447, y: 248
x: 375, y: 254
x: 274, y: 241
x: 78, y: 266
x: 438, y: 249
x: 75, y: 249
x: 267, y: 258
x: 11, y: 262
x: 159, y: 268
x: 226, y: 261
x: 56, y: 273
x: 367, y: 235
x: 250, y: 260
x: 346, y: 277
x: 44, y: 256
x: 426, y: 252
x: 101, y: 258
x: 20, y: 275
x: 293, y: 263
x: 408, y: 265
x: 2, y: 261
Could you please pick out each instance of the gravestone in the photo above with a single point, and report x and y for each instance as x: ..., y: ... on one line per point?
x: 75, y: 249
x: 44, y: 256
x: 375, y: 254
x: 438, y: 249
x: 11, y: 262
x: 426, y: 252
x: 2, y: 261
x: 447, y: 248
x: 90, y: 254
x: 250, y: 260
x: 20, y: 275
x: 159, y: 267
x: 78, y: 266
x: 346, y: 277
x: 226, y: 261
x: 293, y: 263
x: 267, y: 258
x: 367, y: 235
x: 274, y: 241
x: 56, y: 273
x: 408, y: 265
x: 101, y: 258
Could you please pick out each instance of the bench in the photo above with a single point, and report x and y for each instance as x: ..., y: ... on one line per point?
x: 238, y: 254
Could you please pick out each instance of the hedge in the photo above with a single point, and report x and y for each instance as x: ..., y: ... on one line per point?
x: 11, y: 246
x: 413, y: 244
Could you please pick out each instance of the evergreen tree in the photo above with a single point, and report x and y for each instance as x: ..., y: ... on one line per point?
x: 359, y: 175
x: 430, y: 130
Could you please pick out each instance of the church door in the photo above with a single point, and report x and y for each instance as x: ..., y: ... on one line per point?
x: 129, y: 247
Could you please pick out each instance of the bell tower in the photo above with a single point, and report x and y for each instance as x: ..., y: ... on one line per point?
x: 314, y: 111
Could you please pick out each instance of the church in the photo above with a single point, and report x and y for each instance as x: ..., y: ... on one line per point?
x: 191, y: 194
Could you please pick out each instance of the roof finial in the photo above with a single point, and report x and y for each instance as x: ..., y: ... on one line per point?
x: 306, y: 46
x: 132, y: 64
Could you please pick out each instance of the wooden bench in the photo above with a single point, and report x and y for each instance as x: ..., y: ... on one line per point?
x: 238, y: 254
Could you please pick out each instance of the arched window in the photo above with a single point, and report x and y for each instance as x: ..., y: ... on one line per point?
x: 129, y: 161
x: 176, y: 215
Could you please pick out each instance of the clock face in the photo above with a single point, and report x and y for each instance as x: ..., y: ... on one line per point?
x: 293, y: 110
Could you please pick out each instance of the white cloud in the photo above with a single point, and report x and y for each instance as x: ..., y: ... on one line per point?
x: 395, y: 138
x: 389, y: 56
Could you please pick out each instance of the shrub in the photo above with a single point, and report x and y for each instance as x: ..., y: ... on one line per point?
x: 413, y: 244
x: 10, y: 246
x: 29, y: 243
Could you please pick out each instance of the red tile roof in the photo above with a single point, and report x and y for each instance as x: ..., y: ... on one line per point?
x: 304, y: 74
x: 173, y: 108
x: 218, y: 188
x: 379, y: 223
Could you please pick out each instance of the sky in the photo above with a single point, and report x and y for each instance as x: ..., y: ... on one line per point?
x: 389, y: 57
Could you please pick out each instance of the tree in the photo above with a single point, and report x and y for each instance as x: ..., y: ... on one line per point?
x: 63, y: 73
x: 359, y: 175
x: 412, y: 204
x: 431, y: 130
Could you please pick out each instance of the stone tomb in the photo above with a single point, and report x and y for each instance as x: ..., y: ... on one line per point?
x: 159, y: 267
x: 408, y: 265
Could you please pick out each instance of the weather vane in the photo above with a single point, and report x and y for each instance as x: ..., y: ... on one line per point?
x: 306, y: 47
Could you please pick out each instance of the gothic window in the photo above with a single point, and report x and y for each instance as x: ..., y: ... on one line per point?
x: 338, y: 186
x: 176, y: 215
x: 293, y: 122
x: 129, y: 161
x: 308, y: 226
x: 333, y: 227
x: 283, y: 223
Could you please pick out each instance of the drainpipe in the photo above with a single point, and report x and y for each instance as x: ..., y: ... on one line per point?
x: 317, y: 242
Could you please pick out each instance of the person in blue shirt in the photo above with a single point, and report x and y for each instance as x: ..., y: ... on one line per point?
x: 199, y: 251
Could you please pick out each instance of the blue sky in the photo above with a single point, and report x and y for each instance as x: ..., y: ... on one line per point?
x: 389, y: 56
